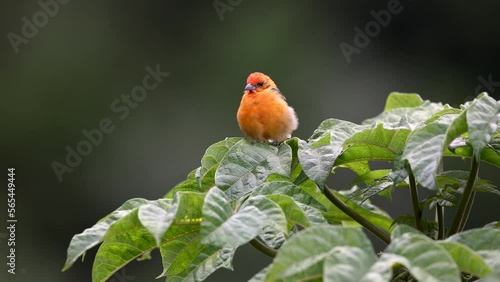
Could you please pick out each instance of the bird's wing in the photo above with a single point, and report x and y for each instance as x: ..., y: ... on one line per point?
x: 279, y: 92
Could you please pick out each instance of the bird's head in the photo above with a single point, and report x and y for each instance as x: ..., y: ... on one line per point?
x: 258, y: 81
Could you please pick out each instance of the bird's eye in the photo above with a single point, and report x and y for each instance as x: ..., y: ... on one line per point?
x: 260, y: 84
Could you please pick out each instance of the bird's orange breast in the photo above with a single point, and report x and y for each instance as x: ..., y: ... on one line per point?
x: 265, y: 116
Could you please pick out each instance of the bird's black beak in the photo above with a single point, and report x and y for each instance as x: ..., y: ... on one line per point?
x: 250, y: 87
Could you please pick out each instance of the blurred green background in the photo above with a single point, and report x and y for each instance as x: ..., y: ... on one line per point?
x: 64, y: 79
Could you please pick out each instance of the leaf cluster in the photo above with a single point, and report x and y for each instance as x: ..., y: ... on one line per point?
x: 277, y: 199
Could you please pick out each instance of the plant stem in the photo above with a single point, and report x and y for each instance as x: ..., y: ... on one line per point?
x: 440, y: 210
x: 414, y: 200
x: 467, y: 211
x: 440, y: 220
x: 263, y: 248
x: 404, y: 275
x: 381, y: 234
x: 460, y: 217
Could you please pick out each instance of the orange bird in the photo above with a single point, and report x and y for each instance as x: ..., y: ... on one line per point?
x: 264, y: 114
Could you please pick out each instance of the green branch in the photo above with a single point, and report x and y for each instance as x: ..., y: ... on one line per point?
x: 414, y: 200
x: 440, y: 210
x: 440, y: 221
x: 381, y: 234
x: 468, y: 208
x: 460, y: 217
x: 263, y: 248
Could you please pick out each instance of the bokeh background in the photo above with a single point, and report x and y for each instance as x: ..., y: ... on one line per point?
x: 64, y: 79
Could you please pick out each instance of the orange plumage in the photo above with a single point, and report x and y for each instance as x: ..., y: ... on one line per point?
x: 264, y: 114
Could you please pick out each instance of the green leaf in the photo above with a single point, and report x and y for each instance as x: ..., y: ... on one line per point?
x: 217, y: 210
x: 380, y: 271
x: 402, y: 229
x: 319, y: 154
x: 429, y: 227
x: 410, y: 118
x: 274, y: 216
x: 457, y: 179
x: 289, y: 189
x: 208, y: 261
x: 186, y: 208
x: 347, y: 264
x: 425, y: 259
x: 446, y: 111
x: 317, y: 162
x: 377, y: 188
x: 494, y: 224
x: 91, y: 237
x: 358, y: 167
x: 220, y: 227
x: 184, y: 257
x: 155, y: 219
x: 272, y: 237
x: 365, y: 208
x: 399, y: 174
x: 425, y: 146
x: 489, y: 154
x: 125, y: 241
x: 190, y: 184
x: 298, y: 213
x: 246, y: 165
x: 336, y: 216
x: 296, y: 167
x: 302, y: 256
x: 211, y: 160
x: 180, y: 246
x: 466, y: 259
x: 482, y: 121
x: 397, y: 100
x: 484, y: 241
x: 371, y: 176
x: 452, y: 182
x: 492, y: 258
x: 379, y: 142
x: 478, y: 239
x: 443, y: 198
x: 495, y: 277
